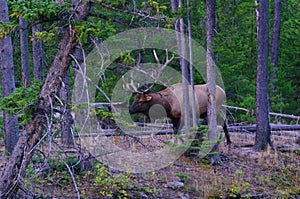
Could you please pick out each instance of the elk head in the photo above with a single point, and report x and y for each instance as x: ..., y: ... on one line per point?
x: 141, y: 104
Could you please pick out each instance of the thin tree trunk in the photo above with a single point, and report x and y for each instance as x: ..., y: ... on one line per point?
x: 37, y: 52
x: 185, y: 76
x: 263, y: 133
x: 194, y: 116
x: 181, y: 43
x: 22, y: 154
x: 11, y: 129
x: 211, y: 6
x: 24, y: 52
x: 275, y: 44
x: 66, y: 120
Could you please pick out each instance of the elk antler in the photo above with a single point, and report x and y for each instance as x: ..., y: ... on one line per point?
x: 130, y: 87
x: 154, y: 74
x: 160, y: 66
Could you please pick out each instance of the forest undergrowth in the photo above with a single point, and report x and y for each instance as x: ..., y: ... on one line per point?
x: 241, y: 174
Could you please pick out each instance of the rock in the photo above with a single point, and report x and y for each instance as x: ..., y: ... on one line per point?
x: 176, y: 185
x: 143, y: 195
x: 184, y: 196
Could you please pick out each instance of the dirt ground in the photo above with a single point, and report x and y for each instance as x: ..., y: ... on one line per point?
x: 242, y: 173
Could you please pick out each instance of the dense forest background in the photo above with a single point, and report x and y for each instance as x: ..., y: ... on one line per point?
x: 235, y: 42
x: 50, y: 37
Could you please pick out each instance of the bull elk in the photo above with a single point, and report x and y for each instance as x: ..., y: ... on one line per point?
x: 171, y: 100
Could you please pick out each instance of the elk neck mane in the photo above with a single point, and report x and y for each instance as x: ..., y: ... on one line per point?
x: 162, y: 99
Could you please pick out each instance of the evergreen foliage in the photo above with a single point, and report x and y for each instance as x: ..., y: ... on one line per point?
x: 22, y: 101
x: 235, y: 43
x: 235, y: 49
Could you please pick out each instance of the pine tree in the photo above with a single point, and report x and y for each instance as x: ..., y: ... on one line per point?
x: 263, y: 132
x: 11, y: 128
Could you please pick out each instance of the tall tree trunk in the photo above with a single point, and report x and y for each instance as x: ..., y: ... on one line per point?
x: 24, y: 52
x: 37, y: 52
x: 180, y: 29
x: 275, y: 44
x: 263, y: 133
x: 66, y: 120
x: 211, y: 6
x: 11, y: 129
x: 15, y: 168
x: 193, y: 105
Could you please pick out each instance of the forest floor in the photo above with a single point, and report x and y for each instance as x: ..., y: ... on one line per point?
x: 243, y: 173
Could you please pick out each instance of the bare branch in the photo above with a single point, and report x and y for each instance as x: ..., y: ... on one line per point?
x: 238, y: 108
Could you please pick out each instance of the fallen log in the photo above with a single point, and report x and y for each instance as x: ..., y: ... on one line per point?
x: 295, y: 117
x: 288, y: 149
x: 107, y: 104
x: 132, y: 133
x: 285, y: 115
x: 274, y: 127
x: 157, y: 125
x: 288, y: 130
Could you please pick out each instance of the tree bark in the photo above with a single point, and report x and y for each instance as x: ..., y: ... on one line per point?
x: 211, y: 6
x: 11, y: 129
x: 24, y: 52
x: 193, y: 105
x: 180, y: 29
x: 275, y: 44
x: 37, y: 52
x: 66, y: 120
x: 263, y: 133
x: 15, y: 168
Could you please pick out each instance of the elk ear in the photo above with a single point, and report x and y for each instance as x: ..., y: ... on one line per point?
x: 137, y: 95
x: 148, y: 98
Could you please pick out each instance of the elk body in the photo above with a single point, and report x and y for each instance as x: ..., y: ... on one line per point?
x: 171, y: 102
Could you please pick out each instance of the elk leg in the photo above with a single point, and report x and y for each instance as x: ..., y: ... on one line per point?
x: 227, y: 136
x: 219, y: 118
x: 222, y: 121
x: 176, y: 125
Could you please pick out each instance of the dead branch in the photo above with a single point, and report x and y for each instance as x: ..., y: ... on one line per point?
x: 238, y: 108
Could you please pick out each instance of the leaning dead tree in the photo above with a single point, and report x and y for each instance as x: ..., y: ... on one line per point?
x: 15, y: 168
